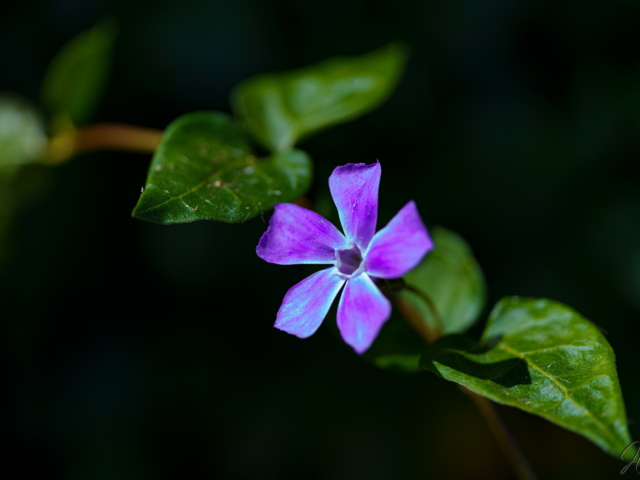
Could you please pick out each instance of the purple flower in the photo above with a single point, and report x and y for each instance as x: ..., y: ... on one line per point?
x: 297, y: 235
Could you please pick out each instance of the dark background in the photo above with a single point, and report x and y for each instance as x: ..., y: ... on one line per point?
x: 136, y: 351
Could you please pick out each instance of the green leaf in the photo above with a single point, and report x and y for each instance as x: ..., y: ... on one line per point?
x: 278, y: 110
x: 451, y: 277
x: 77, y: 76
x: 22, y: 137
x: 542, y: 357
x: 204, y: 169
x: 397, y: 346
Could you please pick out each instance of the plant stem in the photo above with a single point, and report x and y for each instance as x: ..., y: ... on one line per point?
x: 413, y: 318
x: 432, y: 306
x: 498, y: 427
x: 101, y: 136
x: 501, y: 432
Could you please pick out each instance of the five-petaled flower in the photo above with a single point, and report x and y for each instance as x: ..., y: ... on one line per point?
x: 359, y: 257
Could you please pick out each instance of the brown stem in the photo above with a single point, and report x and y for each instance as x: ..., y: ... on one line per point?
x: 101, y: 136
x: 502, y: 434
x: 432, y: 306
x: 116, y: 136
x: 413, y: 318
x: 498, y: 427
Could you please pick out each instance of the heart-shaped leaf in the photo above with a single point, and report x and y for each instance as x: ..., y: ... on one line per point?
x: 278, y: 110
x: 22, y: 137
x: 77, y: 76
x: 542, y: 357
x: 204, y: 169
x: 451, y: 277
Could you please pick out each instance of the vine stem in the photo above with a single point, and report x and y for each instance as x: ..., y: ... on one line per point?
x: 487, y: 408
x: 432, y: 307
x: 101, y: 136
x: 503, y: 435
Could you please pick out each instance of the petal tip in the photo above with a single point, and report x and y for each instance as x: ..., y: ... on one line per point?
x: 352, y: 167
x: 283, y: 328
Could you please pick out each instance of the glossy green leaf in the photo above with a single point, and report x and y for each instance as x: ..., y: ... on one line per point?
x: 451, y: 277
x: 22, y: 137
x: 77, y: 76
x: 278, y: 110
x: 542, y: 357
x: 204, y: 169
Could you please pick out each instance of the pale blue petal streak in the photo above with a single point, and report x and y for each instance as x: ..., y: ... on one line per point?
x: 400, y: 246
x: 297, y: 235
x: 354, y: 188
x: 306, y: 304
x: 362, y: 311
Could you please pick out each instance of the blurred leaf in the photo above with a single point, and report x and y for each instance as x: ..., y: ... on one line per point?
x: 542, y: 357
x: 7, y: 206
x: 452, y: 278
x: 22, y: 137
x: 397, y: 346
x: 77, y: 76
x: 278, y: 110
x: 404, y: 362
x: 204, y: 169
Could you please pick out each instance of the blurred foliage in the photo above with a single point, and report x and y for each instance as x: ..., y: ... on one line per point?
x: 452, y: 279
x: 279, y: 110
x: 76, y: 78
x: 22, y: 136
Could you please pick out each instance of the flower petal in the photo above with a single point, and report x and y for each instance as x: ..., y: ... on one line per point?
x: 354, y: 188
x: 297, y: 235
x: 362, y: 311
x: 400, y: 246
x: 306, y: 304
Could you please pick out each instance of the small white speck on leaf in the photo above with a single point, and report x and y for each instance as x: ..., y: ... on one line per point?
x: 166, y: 191
x: 141, y: 189
x: 247, y: 208
x: 207, y: 201
x: 278, y: 192
x: 195, y: 208
x: 158, y: 168
x: 218, y: 184
x: 249, y: 170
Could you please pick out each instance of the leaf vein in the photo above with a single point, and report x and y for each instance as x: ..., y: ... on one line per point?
x: 562, y: 388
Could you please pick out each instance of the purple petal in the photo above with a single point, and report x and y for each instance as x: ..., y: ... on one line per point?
x: 400, y: 246
x: 354, y: 188
x: 306, y: 304
x: 362, y: 311
x: 297, y: 235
